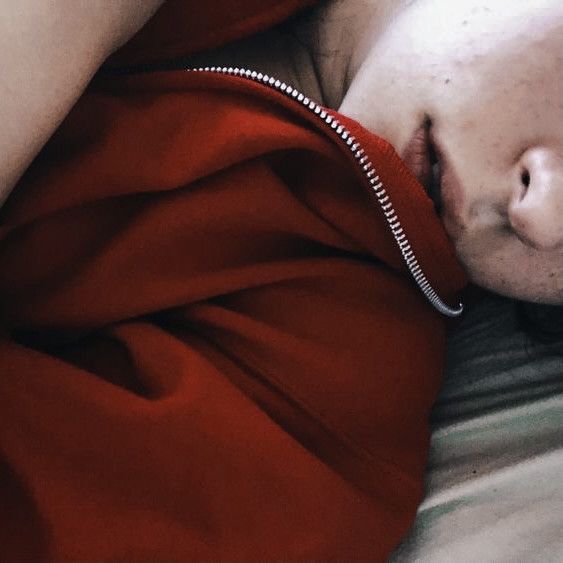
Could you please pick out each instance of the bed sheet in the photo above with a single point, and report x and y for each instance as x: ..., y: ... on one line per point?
x: 494, y: 487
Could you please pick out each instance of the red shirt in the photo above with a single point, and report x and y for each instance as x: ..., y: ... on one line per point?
x: 214, y: 349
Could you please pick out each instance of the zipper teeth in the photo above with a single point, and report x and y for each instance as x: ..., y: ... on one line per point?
x: 368, y: 170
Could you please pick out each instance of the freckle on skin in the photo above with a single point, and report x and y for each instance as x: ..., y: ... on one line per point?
x: 447, y: 81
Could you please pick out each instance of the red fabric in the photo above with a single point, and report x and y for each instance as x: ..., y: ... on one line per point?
x: 212, y: 349
x: 181, y: 27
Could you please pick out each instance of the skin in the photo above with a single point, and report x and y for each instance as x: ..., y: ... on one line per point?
x: 489, y: 76
x: 49, y: 51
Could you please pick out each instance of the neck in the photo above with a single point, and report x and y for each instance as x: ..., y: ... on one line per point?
x: 339, y: 35
x: 320, y: 52
x: 280, y: 52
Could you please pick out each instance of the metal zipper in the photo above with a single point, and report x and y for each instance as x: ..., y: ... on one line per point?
x: 368, y: 170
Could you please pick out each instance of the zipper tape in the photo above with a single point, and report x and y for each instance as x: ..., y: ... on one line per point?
x: 368, y: 170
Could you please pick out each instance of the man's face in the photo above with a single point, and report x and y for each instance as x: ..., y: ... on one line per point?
x: 486, y: 79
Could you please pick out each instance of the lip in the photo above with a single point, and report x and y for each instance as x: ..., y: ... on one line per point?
x: 424, y: 159
x: 450, y: 202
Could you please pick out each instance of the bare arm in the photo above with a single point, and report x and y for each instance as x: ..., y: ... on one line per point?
x: 49, y: 50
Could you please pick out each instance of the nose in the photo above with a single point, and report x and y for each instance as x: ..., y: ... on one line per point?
x: 535, y: 210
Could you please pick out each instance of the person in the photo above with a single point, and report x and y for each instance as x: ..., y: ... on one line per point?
x: 221, y: 302
x: 496, y: 136
x: 46, y: 44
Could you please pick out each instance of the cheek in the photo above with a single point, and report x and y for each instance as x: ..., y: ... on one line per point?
x: 503, y: 265
x: 490, y: 258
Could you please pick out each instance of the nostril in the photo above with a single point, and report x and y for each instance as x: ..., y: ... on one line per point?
x: 535, y: 198
x: 525, y: 178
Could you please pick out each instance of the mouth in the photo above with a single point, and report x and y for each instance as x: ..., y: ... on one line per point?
x: 422, y: 157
